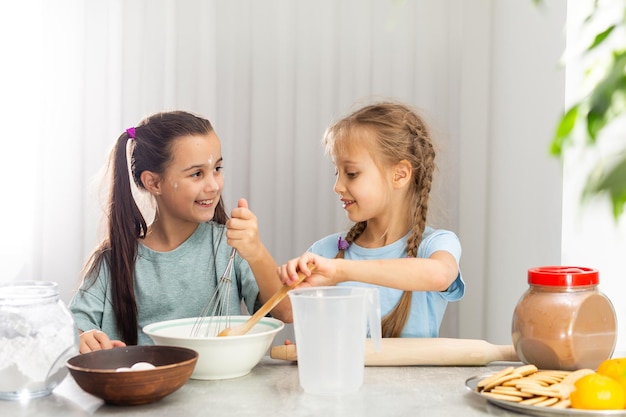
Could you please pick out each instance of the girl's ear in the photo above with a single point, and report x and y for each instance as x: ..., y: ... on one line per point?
x: 151, y: 182
x: 402, y: 173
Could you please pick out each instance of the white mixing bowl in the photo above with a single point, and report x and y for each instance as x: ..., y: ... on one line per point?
x: 219, y: 357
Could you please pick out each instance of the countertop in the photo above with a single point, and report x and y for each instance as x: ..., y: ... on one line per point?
x: 272, y: 389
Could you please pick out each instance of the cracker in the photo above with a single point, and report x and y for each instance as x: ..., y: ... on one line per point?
x: 530, y: 386
x: 547, y: 402
x: 547, y: 379
x: 513, y: 382
x: 511, y: 391
x: 533, y: 401
x: 525, y: 370
x: 499, y: 374
x: 531, y: 383
x: 511, y: 398
x: 575, y: 375
x: 564, y: 390
x: 562, y: 404
x: 547, y: 392
x: 499, y: 381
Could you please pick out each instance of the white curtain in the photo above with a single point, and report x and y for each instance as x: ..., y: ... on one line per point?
x: 50, y: 144
x: 270, y: 75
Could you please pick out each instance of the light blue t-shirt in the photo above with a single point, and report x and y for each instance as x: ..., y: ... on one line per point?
x: 170, y: 285
x: 427, y: 307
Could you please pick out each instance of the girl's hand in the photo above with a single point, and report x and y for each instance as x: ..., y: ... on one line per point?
x: 325, y: 271
x: 93, y: 340
x: 243, y: 231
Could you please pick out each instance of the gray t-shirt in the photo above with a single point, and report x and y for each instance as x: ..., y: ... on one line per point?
x: 170, y: 285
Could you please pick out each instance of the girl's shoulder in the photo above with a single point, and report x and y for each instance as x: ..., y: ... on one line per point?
x: 434, y: 240
x: 431, y: 233
x: 327, y: 246
x: 331, y: 238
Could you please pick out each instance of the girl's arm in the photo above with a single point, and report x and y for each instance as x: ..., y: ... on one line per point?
x: 436, y: 273
x: 243, y: 235
x: 87, y: 306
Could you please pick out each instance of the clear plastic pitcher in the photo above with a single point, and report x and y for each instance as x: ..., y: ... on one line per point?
x: 330, y: 326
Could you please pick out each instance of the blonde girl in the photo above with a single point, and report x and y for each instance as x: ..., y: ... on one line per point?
x: 384, y: 160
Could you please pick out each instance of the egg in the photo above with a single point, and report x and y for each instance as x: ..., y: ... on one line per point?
x: 139, y: 366
x: 142, y: 366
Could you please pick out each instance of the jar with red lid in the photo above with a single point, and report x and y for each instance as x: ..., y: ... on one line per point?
x: 563, y: 321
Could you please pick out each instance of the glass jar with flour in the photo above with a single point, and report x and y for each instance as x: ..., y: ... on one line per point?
x: 37, y: 336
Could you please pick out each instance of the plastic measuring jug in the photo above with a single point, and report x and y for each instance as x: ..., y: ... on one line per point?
x: 330, y: 327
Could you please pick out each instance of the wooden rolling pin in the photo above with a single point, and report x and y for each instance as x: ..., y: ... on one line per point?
x: 423, y: 351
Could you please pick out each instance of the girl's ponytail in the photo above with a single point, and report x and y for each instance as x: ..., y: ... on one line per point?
x: 126, y: 225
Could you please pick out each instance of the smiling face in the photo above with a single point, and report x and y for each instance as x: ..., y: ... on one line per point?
x: 190, y: 188
x: 364, y: 188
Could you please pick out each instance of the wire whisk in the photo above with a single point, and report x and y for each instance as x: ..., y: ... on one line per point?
x: 215, y: 315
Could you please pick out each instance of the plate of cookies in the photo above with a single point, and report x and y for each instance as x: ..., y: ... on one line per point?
x: 526, y: 389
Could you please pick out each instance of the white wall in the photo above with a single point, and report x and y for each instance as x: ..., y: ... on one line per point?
x: 518, y: 207
x: 510, y: 195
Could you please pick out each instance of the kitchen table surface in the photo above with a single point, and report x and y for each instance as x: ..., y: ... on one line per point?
x: 272, y: 389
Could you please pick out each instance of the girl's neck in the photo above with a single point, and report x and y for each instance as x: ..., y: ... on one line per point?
x: 377, y: 237
x: 164, y: 237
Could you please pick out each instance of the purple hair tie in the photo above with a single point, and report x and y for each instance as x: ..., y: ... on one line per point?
x: 342, y: 244
x: 131, y: 132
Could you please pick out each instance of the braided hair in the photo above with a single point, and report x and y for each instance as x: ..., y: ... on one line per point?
x: 397, y: 133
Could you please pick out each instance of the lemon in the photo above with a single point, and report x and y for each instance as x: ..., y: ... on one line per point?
x: 614, y: 368
x: 598, y: 392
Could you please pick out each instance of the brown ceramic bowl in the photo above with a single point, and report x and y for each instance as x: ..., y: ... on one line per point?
x: 96, y: 373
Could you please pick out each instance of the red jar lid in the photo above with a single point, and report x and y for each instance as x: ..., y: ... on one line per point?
x: 563, y: 276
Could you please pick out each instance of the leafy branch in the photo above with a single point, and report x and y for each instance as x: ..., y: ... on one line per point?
x: 593, y: 113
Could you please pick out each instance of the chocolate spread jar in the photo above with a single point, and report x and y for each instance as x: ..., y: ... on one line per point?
x: 563, y: 321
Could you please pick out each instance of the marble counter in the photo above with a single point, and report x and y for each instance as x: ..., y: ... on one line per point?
x: 272, y: 389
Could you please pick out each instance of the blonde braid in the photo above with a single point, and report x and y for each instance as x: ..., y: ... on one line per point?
x: 352, y: 235
x: 394, y: 322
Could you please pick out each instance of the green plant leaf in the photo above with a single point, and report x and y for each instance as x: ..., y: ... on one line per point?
x: 610, y: 181
x: 593, y: 113
x: 600, y: 37
x: 595, y: 122
x: 606, y: 96
x: 615, y: 184
x: 564, y: 130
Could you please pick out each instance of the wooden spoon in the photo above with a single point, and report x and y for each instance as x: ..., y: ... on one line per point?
x: 264, y: 310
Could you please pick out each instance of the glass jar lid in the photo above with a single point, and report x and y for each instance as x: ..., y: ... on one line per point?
x: 27, y: 292
x: 563, y: 276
